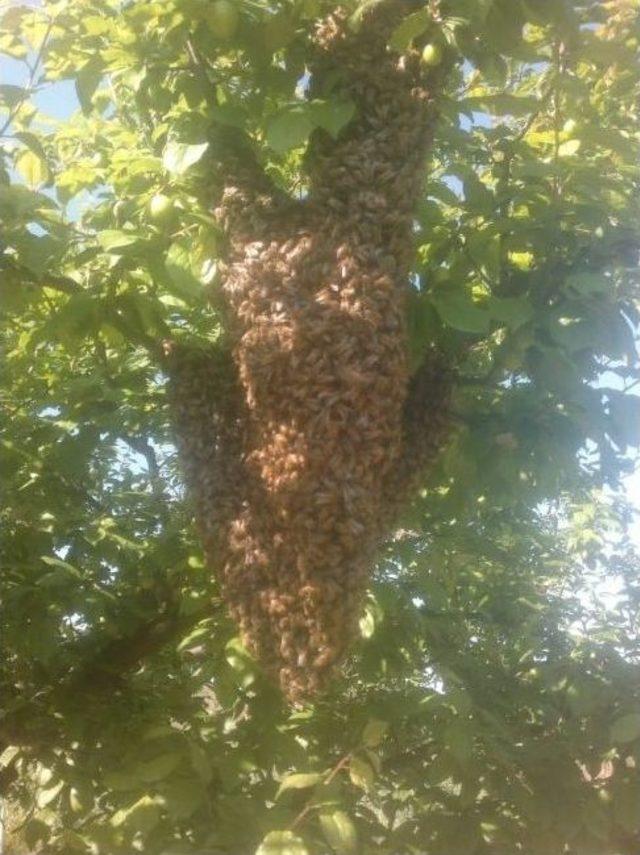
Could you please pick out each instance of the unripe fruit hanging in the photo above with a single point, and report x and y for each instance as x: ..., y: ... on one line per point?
x: 431, y: 54
x: 161, y: 209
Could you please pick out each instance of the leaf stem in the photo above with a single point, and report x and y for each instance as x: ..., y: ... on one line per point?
x: 342, y: 762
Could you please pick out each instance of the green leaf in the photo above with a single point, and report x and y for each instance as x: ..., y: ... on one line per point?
x: 361, y: 773
x: 374, y: 732
x: 626, y: 728
x: 484, y: 248
x: 203, y: 631
x: 504, y: 22
x: 183, y: 797
x: 230, y: 114
x: 86, y: 82
x: 200, y: 763
x: 8, y: 755
x: 282, y: 843
x: 32, y: 168
x: 458, y: 737
x: 46, y: 796
x: 63, y: 573
x: 18, y: 201
x: 11, y: 95
x: 158, y: 768
x: 501, y: 104
x: 625, y: 416
x: 289, y: 129
x: 35, y: 831
x: 179, y: 267
x: 119, y: 781
x: 331, y: 115
x: 477, y: 196
x: 625, y: 806
x: 588, y: 283
x: 339, y: 832
x: 422, y: 323
x: 569, y: 148
x: 298, y: 782
x: 143, y: 815
x: 237, y: 655
x: 413, y: 25
x: 32, y: 142
x: 178, y: 157
x: 367, y: 622
x: 39, y: 253
x: 362, y: 7
x: 459, y: 311
x: 522, y: 260
x: 63, y: 565
x: 113, y: 239
x: 512, y: 311
x: 73, y: 841
x: 80, y: 800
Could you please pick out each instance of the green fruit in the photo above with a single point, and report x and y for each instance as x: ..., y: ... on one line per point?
x: 432, y: 55
x: 161, y: 208
x: 222, y: 18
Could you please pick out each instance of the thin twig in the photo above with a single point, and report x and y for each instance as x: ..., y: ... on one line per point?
x: 30, y: 83
x: 200, y: 70
x: 342, y: 762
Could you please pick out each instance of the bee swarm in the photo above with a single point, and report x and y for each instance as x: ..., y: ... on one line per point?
x: 300, y: 446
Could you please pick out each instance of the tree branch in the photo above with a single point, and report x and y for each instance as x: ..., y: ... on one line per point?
x: 308, y: 806
x: 30, y: 83
x: 36, y: 721
x: 142, y: 447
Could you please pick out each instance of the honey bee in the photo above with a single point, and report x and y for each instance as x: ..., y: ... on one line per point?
x: 301, y: 442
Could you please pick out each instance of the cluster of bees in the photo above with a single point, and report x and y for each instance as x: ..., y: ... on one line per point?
x: 301, y: 444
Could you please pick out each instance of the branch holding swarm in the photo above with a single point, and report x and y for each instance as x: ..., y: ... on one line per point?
x: 34, y: 721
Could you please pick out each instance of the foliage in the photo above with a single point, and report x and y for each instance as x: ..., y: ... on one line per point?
x: 492, y: 704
